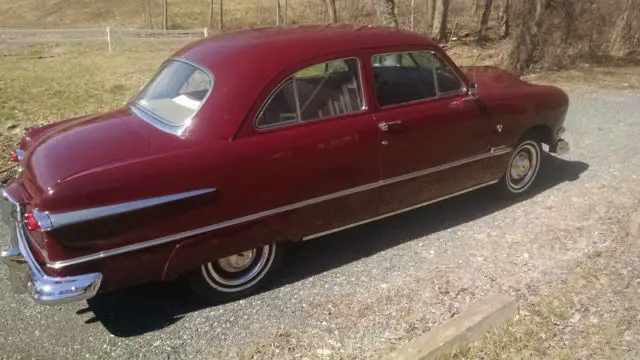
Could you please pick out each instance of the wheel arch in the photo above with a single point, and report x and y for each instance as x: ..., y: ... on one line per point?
x: 541, y: 131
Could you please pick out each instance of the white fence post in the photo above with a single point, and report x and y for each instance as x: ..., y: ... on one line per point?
x: 109, y: 38
x: 206, y: 32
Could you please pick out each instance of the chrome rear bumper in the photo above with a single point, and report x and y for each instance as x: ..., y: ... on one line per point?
x: 26, y: 275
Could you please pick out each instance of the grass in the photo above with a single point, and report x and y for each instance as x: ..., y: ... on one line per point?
x: 37, y: 89
x: 592, y: 315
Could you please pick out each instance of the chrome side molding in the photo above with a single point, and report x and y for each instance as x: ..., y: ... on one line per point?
x: 251, y: 217
x: 50, y: 221
x: 310, y: 237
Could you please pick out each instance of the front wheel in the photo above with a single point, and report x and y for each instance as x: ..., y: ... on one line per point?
x: 236, y: 276
x: 522, y: 168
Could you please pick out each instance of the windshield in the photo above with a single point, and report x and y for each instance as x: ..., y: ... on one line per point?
x: 176, y: 92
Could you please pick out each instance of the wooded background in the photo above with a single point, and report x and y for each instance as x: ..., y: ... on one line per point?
x: 531, y: 34
x: 536, y: 33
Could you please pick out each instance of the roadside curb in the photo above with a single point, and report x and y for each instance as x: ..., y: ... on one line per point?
x: 634, y: 225
x: 490, y: 313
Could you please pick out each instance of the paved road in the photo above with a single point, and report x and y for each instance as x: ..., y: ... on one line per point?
x: 362, y: 292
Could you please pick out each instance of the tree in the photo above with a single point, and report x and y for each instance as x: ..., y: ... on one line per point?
x: 430, y: 14
x: 413, y: 15
x: 221, y: 14
x: 440, y: 20
x: 621, y: 25
x: 504, y: 18
x: 164, y: 15
x: 484, y: 20
x: 526, y: 40
x: 211, y: 12
x: 386, y: 10
x: 331, y: 9
x: 278, y: 9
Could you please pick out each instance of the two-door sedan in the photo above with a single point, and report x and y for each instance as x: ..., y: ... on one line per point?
x: 244, y: 142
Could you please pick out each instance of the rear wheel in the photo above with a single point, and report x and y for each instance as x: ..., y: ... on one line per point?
x: 522, y: 168
x: 236, y: 276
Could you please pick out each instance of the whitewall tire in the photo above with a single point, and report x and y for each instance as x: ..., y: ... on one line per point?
x: 522, y: 168
x: 236, y: 276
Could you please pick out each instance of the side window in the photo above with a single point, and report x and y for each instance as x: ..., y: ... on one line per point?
x: 316, y: 92
x: 411, y: 76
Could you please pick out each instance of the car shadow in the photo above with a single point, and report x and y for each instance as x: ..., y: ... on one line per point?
x: 151, y: 307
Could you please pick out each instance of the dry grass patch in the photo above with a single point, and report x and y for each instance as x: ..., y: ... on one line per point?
x: 594, y: 314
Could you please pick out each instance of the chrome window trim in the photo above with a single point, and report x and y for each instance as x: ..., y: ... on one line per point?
x: 49, y: 221
x: 439, y: 95
x: 291, y: 77
x: 251, y: 217
x: 157, y: 120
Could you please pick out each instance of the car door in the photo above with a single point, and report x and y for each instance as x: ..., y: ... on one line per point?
x: 433, y: 141
x: 312, y: 152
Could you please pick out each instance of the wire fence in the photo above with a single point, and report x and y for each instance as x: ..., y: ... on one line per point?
x: 108, y: 38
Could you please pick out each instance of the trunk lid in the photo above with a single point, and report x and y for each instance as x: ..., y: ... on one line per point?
x: 75, y: 146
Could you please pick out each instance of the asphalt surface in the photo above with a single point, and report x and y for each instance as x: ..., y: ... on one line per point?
x: 362, y: 292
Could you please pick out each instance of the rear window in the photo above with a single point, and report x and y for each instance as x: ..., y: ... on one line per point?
x: 176, y: 92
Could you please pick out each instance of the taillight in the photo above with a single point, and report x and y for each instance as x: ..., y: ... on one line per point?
x: 14, y: 156
x: 30, y: 222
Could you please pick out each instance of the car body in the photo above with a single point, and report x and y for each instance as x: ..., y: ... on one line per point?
x: 245, y: 141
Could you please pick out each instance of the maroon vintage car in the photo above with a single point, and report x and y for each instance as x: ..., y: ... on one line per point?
x: 246, y: 141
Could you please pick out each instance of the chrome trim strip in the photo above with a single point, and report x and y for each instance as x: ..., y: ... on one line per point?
x: 194, y: 232
x: 228, y: 223
x: 309, y: 237
x: 446, y: 166
x: 43, y: 219
x: 72, y: 217
x: 155, y: 119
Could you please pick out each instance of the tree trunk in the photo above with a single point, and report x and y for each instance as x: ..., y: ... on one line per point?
x: 504, y: 18
x: 440, y: 20
x: 484, y: 20
x: 331, y: 9
x: 286, y: 12
x: 430, y: 14
x: 165, y: 16
x: 144, y: 13
x: 221, y: 14
x: 386, y: 10
x: 149, y: 15
x: 618, y: 30
x: 211, y: 13
x: 413, y: 15
x: 278, y: 15
x: 525, y: 40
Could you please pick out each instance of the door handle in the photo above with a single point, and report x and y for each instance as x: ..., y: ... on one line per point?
x: 391, y: 125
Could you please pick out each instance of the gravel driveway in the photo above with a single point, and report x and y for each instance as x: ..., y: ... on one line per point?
x: 363, y: 292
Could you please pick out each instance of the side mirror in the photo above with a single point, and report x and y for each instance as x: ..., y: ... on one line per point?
x: 472, y: 91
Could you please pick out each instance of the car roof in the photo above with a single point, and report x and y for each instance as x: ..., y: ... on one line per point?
x: 247, y: 64
x: 294, y: 42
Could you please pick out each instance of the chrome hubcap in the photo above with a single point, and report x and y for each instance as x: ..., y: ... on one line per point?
x: 520, y: 166
x: 237, y: 262
x: 523, y: 167
x: 239, y: 271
